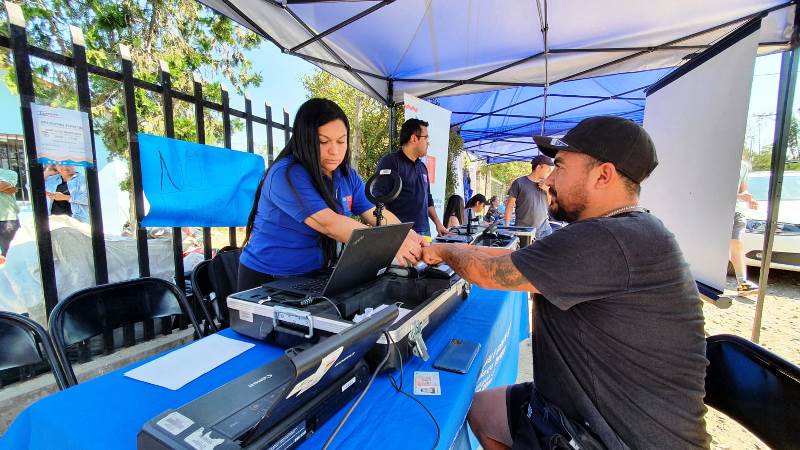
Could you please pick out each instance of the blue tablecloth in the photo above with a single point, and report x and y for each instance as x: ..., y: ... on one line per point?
x: 108, y: 411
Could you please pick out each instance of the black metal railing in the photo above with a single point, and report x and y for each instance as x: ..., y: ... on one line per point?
x: 17, y: 43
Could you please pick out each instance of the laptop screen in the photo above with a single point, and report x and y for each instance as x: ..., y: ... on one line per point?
x: 367, y: 254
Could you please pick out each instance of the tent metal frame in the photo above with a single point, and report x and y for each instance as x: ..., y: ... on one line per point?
x: 358, y: 74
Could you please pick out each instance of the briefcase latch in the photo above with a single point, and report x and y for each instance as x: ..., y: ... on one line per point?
x: 418, y: 344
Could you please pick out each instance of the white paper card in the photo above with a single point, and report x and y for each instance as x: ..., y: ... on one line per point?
x: 175, y: 369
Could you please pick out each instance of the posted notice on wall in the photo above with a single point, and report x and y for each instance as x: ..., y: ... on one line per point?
x: 62, y: 136
x: 438, y: 120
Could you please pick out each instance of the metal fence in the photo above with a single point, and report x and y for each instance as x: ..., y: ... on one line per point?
x: 17, y: 43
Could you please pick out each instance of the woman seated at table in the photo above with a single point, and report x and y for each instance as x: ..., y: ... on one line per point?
x: 453, y: 211
x: 303, y: 204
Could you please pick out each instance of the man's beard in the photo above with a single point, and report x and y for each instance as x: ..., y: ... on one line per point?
x: 561, y: 213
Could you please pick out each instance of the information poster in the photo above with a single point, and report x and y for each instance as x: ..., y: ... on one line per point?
x: 438, y: 120
x: 62, y: 136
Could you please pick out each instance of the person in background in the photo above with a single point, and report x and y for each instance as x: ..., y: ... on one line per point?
x: 744, y: 200
x: 415, y: 202
x: 454, y: 211
x: 49, y: 170
x: 619, y: 345
x: 9, y: 222
x: 476, y: 204
x: 67, y: 194
x: 304, y: 202
x: 493, y: 213
x: 528, y: 198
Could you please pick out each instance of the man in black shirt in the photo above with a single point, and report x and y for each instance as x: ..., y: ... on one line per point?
x: 415, y: 202
x: 619, y: 351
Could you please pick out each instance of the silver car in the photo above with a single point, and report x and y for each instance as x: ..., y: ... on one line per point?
x: 786, y: 247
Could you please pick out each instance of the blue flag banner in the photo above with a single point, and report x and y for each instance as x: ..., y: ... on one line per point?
x: 188, y: 184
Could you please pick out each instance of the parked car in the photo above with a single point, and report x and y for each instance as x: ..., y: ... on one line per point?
x: 786, y: 246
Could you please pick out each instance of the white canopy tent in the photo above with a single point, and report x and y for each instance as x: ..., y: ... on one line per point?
x: 443, y: 49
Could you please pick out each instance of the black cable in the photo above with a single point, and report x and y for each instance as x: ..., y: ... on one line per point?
x: 339, y: 313
x: 358, y: 400
x: 400, y: 390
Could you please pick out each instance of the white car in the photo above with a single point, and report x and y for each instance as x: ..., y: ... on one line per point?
x: 786, y: 246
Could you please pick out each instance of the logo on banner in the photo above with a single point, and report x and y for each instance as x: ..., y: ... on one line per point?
x: 411, y: 108
x: 430, y: 163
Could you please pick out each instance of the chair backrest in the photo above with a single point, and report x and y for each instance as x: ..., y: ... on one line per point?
x: 203, y: 291
x: 755, y: 387
x: 223, y: 271
x: 101, y: 309
x: 24, y: 342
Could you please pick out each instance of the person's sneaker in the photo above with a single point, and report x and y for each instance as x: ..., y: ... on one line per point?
x: 746, y: 287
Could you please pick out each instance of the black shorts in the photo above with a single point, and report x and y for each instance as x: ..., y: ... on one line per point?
x: 536, y: 424
x: 517, y: 400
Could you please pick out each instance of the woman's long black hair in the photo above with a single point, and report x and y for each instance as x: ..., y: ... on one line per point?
x: 304, y: 147
x: 454, y: 207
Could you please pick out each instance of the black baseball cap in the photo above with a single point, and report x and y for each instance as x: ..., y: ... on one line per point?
x: 619, y: 141
x: 542, y: 159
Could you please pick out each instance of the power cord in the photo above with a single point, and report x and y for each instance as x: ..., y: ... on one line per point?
x: 394, y: 384
x: 400, y: 390
x: 358, y: 400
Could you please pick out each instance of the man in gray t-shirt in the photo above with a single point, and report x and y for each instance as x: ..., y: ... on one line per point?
x: 528, y: 200
x: 619, y: 358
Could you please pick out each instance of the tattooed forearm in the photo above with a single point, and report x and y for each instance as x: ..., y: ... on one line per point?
x: 488, y: 269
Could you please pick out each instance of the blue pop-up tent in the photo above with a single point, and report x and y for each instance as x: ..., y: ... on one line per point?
x: 505, y: 67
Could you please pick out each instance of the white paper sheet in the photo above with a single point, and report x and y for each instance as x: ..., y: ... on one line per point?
x: 175, y: 369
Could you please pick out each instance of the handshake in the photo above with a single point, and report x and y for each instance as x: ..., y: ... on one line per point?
x: 416, y: 248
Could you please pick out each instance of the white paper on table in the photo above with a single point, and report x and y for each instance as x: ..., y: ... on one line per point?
x: 175, y: 369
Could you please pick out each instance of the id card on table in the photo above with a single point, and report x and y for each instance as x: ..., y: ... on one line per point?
x: 427, y: 383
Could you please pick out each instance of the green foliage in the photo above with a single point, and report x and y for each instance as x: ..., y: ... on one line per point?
x: 454, y: 151
x: 508, y: 172
x: 187, y: 36
x: 762, y: 159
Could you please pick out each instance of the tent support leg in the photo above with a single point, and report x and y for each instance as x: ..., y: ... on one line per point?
x: 786, y: 88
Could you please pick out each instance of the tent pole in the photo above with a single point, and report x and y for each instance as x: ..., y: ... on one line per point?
x: 392, y: 113
x: 786, y: 86
x: 544, y: 27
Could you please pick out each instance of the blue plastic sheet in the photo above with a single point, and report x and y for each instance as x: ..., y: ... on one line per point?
x: 188, y: 184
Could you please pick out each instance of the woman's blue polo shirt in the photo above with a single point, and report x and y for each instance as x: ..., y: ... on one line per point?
x: 280, y: 243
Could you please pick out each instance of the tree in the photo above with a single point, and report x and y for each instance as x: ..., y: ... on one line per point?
x: 508, y: 172
x: 454, y: 151
x: 187, y: 36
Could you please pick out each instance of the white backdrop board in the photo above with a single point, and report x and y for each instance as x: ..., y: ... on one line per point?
x: 438, y: 120
x: 697, y: 123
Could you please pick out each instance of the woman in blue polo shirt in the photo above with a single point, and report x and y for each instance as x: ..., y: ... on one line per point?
x: 305, y: 200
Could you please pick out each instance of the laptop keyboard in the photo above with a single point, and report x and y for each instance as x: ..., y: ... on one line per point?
x: 311, y: 285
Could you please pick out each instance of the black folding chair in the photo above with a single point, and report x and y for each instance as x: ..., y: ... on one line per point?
x: 223, y: 272
x: 203, y: 293
x: 755, y: 387
x: 23, y: 342
x: 102, y: 309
